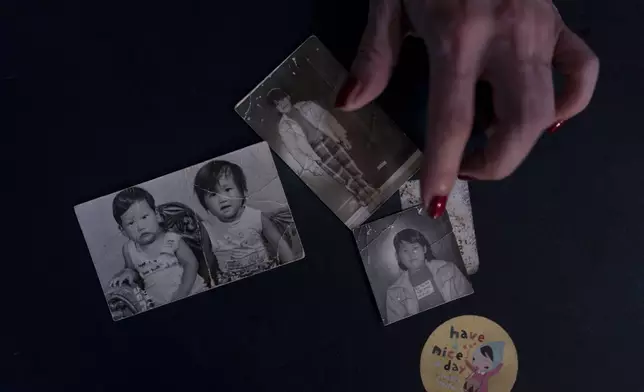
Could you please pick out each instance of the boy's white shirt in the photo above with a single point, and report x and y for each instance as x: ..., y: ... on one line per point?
x: 162, y: 282
x: 295, y: 140
x: 322, y: 119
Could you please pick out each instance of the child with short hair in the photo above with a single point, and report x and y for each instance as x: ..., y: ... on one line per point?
x: 161, y: 259
x: 237, y: 230
x: 425, y: 282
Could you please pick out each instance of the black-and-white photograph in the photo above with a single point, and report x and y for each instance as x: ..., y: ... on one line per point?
x: 459, y: 210
x: 189, y: 231
x: 412, y: 262
x: 352, y: 161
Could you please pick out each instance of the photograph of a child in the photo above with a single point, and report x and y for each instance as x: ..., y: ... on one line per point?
x: 413, y: 263
x: 352, y: 161
x: 319, y: 144
x: 163, y: 262
x: 190, y: 231
x: 239, y: 234
x: 459, y: 210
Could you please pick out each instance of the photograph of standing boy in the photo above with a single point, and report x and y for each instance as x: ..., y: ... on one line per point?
x: 318, y: 142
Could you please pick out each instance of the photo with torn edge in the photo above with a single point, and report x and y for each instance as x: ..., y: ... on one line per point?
x: 190, y: 231
x: 459, y: 210
x: 352, y: 161
x: 412, y: 262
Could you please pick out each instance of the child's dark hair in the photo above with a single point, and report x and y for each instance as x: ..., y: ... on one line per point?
x: 487, y: 352
x: 276, y: 95
x: 125, y: 198
x: 208, y: 176
x: 412, y: 236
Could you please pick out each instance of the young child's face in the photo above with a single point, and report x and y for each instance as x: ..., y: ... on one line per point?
x: 411, y: 255
x: 481, y: 362
x: 283, y: 105
x: 140, y: 223
x: 227, y: 202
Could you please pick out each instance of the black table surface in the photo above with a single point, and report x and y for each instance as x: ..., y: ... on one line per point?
x: 110, y: 94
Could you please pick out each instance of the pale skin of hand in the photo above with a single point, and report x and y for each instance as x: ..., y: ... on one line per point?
x: 512, y: 44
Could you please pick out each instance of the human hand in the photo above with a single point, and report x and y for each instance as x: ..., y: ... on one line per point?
x: 125, y: 275
x: 512, y: 44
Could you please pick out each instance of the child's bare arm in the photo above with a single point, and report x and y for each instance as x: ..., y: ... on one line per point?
x: 128, y: 273
x: 274, y: 238
x: 190, y: 265
x: 127, y: 259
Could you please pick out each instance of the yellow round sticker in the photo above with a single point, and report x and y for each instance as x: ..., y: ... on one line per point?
x: 469, y: 354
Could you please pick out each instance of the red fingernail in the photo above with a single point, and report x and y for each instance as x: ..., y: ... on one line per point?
x: 437, y: 206
x: 465, y: 178
x: 348, y: 87
x: 555, y: 126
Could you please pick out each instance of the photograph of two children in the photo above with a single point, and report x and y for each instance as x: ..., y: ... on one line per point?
x: 190, y: 231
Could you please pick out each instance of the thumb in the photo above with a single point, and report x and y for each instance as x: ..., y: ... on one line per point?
x: 376, y: 56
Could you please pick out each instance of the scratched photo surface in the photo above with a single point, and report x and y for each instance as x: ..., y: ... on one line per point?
x: 190, y: 231
x: 352, y: 161
x: 459, y: 210
x: 413, y: 263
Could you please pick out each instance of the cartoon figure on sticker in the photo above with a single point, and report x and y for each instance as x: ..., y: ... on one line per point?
x: 487, y: 361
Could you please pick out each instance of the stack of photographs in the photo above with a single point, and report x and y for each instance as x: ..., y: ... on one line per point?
x: 228, y: 218
x: 354, y: 162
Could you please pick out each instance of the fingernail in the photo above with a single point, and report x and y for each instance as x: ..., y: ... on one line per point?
x: 466, y: 178
x: 555, y: 126
x: 437, y: 206
x: 346, y: 89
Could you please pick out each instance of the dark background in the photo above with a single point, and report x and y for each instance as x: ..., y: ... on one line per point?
x: 101, y: 95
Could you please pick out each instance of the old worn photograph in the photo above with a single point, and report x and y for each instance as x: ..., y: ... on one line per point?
x: 412, y: 262
x: 189, y: 231
x: 459, y: 210
x: 352, y: 161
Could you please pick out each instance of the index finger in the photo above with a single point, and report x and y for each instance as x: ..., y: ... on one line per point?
x: 454, y: 70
